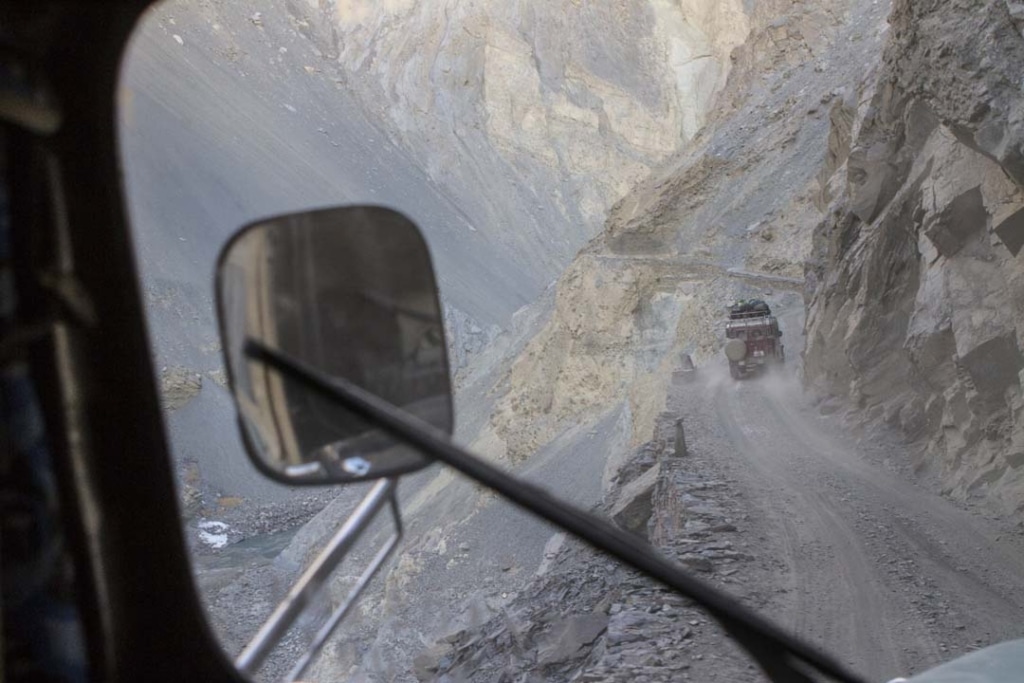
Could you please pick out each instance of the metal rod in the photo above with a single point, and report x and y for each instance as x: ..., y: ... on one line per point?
x: 328, y: 628
x: 300, y: 595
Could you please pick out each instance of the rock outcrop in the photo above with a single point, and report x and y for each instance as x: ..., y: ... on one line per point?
x: 915, y: 298
x: 506, y: 130
x: 584, y: 617
x: 178, y: 386
x: 857, y: 164
x: 726, y: 217
x: 532, y: 117
x: 897, y: 132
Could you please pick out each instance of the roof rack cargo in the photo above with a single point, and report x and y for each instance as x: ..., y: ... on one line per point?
x: 749, y: 309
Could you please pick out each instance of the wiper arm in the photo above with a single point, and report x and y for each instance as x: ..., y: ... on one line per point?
x: 783, y: 657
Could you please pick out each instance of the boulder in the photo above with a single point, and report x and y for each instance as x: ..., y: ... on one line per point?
x: 428, y: 663
x: 568, y: 637
x: 633, y: 508
x: 178, y: 386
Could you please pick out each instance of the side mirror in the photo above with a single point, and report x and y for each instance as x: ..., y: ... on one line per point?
x: 349, y: 292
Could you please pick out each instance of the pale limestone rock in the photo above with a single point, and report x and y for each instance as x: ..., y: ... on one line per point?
x: 596, y: 93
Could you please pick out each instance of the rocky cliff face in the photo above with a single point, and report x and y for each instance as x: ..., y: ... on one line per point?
x: 856, y: 164
x: 915, y: 297
x: 591, y: 94
x: 728, y: 216
x: 691, y: 146
x: 897, y: 132
x: 535, y: 117
x: 505, y: 130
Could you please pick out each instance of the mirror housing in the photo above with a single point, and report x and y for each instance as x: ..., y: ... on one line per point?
x: 351, y: 293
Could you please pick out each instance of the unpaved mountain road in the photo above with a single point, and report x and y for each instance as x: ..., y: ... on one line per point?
x: 835, y: 545
x: 873, y: 568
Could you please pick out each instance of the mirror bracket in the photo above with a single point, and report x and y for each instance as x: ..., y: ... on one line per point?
x: 303, y: 593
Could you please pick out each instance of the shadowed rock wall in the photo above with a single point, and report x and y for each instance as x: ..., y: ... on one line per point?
x: 915, y: 301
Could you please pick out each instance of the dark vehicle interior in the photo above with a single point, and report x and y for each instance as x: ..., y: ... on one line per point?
x: 80, y: 326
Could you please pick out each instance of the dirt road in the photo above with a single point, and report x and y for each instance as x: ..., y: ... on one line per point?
x: 835, y: 544
x: 872, y: 567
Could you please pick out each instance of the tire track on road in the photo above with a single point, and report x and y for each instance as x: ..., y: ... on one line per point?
x: 885, y: 573
x: 835, y: 595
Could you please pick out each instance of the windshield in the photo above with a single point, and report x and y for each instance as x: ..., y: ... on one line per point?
x: 627, y: 206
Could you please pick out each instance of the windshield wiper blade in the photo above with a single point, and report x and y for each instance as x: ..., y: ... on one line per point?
x: 783, y: 657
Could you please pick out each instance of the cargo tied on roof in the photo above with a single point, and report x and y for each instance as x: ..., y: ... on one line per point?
x: 753, y: 338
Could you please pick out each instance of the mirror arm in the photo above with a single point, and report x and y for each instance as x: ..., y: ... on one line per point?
x: 325, y: 631
x: 783, y: 657
x: 306, y: 588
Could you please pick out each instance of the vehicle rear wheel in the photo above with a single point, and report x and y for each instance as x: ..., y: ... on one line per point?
x: 735, y: 371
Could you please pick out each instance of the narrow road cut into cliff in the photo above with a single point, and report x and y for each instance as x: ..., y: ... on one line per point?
x: 854, y: 557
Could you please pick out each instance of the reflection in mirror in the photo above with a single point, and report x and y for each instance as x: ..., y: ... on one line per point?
x: 351, y: 293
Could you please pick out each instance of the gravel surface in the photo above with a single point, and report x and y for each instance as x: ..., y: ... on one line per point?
x: 775, y: 503
x: 889, y: 576
x: 778, y: 506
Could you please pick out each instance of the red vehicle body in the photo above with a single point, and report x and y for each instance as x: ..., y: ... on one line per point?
x: 753, y: 342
